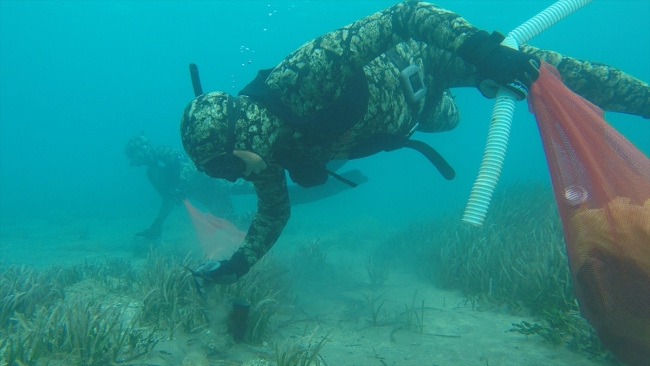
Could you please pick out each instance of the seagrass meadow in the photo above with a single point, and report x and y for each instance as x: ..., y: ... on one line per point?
x: 112, y: 313
x: 516, y: 260
x: 380, y: 272
x: 433, y: 292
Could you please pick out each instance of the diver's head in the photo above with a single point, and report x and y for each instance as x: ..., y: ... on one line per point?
x: 139, y: 151
x: 208, y: 134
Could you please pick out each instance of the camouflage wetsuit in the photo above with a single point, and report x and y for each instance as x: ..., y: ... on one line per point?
x: 309, y: 81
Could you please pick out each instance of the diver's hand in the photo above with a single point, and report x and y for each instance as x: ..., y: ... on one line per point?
x: 498, y: 65
x: 213, y: 272
x: 223, y: 272
x: 151, y: 233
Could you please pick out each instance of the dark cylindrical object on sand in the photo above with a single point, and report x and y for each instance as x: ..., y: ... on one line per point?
x: 238, y: 320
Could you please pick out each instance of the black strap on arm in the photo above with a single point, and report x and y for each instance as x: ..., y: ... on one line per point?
x: 414, y: 89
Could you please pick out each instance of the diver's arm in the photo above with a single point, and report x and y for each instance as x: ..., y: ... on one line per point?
x: 166, y: 208
x: 158, y: 179
x: 311, y: 77
x: 273, y: 210
x: 607, y: 87
x: 153, y: 232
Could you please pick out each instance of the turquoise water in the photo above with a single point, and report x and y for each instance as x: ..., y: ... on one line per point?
x: 79, y: 78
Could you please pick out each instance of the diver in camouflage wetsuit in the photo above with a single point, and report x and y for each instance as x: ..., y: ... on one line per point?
x: 348, y: 94
x: 175, y: 178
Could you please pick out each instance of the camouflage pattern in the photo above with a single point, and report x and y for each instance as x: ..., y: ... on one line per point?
x: 204, y: 127
x: 272, y: 214
x: 170, y: 171
x: 607, y: 87
x: 311, y: 78
x: 388, y: 111
x: 139, y: 151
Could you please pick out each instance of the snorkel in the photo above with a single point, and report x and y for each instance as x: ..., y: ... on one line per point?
x: 196, y: 80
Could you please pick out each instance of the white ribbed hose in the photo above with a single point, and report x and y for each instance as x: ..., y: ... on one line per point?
x: 504, y: 107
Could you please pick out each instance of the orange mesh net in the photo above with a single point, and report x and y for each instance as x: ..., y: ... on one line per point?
x: 601, y: 184
x: 219, y: 238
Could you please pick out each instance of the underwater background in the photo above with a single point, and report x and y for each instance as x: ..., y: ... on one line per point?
x: 79, y: 78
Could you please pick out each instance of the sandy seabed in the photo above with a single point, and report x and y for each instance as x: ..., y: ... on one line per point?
x: 452, y: 331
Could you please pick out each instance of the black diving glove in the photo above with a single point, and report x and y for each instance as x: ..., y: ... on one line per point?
x: 223, y: 272
x: 498, y: 65
x: 151, y: 233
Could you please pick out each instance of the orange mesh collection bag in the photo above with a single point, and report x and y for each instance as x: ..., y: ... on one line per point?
x: 601, y: 184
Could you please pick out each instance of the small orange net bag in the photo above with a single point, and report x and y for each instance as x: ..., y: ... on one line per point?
x: 601, y: 184
x: 219, y: 238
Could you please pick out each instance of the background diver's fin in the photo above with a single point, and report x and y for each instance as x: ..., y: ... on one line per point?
x: 300, y: 195
x: 335, y: 165
x: 342, y: 179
